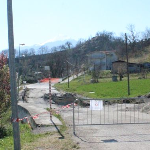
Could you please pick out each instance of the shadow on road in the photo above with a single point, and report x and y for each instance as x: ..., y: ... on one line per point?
x: 62, y: 136
x: 112, y: 139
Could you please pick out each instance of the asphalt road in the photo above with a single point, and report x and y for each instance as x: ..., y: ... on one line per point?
x: 92, y: 137
x: 110, y: 136
x: 36, y: 104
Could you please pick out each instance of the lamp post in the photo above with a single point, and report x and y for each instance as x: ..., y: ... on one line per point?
x: 19, y: 67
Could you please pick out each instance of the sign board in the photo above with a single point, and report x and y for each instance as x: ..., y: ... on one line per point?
x: 24, y: 82
x: 46, y: 67
x: 96, y: 104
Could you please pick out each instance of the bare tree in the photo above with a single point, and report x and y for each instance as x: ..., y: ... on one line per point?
x: 133, y: 37
x: 31, y: 51
x: 146, y: 34
x: 62, y: 47
x: 68, y: 45
x: 54, y: 49
x: 43, y: 50
x: 24, y: 53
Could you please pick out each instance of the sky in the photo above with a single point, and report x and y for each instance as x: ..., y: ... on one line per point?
x: 37, y: 21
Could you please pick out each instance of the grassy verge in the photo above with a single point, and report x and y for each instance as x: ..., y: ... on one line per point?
x: 30, y: 141
x: 54, y: 141
x: 26, y: 135
x: 106, y: 88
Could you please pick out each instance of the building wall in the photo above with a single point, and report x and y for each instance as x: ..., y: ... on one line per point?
x: 119, y: 66
x: 104, y: 61
x: 122, y: 66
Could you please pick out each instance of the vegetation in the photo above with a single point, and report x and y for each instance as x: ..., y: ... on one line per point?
x: 32, y: 66
x: 55, y: 140
x: 4, y: 92
x: 6, y: 141
x: 106, y: 88
x: 30, y: 141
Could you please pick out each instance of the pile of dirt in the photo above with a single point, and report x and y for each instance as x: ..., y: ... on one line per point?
x: 61, y: 98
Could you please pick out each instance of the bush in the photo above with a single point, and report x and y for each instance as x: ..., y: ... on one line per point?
x: 3, y: 132
x: 105, y: 73
x: 31, y: 79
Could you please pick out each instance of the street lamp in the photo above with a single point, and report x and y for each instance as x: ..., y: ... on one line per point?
x: 19, y: 67
x: 19, y: 48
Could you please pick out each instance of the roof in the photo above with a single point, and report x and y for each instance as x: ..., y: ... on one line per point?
x: 119, y: 61
x: 106, y: 52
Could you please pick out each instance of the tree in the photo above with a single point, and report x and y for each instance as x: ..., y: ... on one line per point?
x: 96, y: 73
x: 68, y: 45
x: 4, y: 85
x: 62, y: 47
x: 132, y: 37
x: 56, y: 61
x: 146, y: 34
x: 24, y: 53
x: 31, y: 51
x: 43, y: 50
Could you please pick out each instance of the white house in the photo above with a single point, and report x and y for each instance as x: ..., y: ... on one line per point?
x: 102, y: 59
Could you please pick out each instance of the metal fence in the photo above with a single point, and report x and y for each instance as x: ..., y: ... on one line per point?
x: 111, y: 111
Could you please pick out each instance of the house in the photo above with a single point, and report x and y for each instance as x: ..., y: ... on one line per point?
x: 146, y: 65
x: 134, y: 67
x: 121, y: 67
x: 101, y: 59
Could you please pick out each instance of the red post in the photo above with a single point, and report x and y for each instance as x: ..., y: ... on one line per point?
x: 50, y: 96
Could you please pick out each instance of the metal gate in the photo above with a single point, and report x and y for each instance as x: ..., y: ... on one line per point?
x: 111, y: 111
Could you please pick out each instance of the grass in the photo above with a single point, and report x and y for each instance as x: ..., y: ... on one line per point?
x: 63, y: 127
x: 30, y: 141
x: 106, y: 88
x: 54, y: 141
x: 26, y: 135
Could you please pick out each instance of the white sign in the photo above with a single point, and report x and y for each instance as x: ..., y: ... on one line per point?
x: 24, y: 82
x: 96, y: 104
x: 47, y: 67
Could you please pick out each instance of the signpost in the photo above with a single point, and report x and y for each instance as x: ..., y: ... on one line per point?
x: 96, y: 104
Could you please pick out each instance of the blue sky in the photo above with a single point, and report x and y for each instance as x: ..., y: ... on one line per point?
x: 36, y: 21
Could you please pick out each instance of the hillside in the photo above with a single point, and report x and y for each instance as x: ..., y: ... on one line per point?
x: 141, y: 57
x: 65, y: 57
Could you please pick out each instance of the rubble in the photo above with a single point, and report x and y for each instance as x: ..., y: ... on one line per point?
x: 61, y: 98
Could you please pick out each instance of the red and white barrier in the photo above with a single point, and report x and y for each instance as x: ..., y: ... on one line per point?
x: 37, y: 115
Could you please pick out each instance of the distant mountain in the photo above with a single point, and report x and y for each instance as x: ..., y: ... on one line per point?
x: 50, y: 44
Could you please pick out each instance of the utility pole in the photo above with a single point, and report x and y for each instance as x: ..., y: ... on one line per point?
x: 50, y: 94
x: 16, y: 133
x: 68, y: 73
x: 68, y: 63
x: 127, y: 65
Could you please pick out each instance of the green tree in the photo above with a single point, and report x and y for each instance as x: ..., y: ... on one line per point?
x: 4, y: 85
